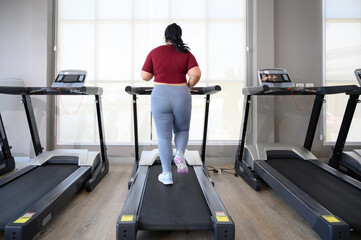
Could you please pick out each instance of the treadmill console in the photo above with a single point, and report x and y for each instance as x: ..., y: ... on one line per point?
x: 275, y: 77
x: 70, y: 78
x: 358, y: 75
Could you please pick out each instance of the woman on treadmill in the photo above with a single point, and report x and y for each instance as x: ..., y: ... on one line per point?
x: 171, y: 101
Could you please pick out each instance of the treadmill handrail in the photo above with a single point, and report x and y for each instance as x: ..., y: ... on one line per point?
x: 255, y: 90
x: 265, y: 90
x: 194, y: 91
x: 336, y: 89
x: 356, y: 91
x: 51, y: 90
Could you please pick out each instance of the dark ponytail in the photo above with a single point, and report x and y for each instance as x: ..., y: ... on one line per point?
x: 173, y: 34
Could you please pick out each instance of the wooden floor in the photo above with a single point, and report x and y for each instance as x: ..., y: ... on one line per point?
x: 257, y: 215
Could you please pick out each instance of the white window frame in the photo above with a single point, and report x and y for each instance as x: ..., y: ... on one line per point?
x: 324, y: 81
x: 132, y: 81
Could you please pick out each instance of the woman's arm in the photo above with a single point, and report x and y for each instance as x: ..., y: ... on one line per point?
x: 146, y: 75
x: 194, y: 76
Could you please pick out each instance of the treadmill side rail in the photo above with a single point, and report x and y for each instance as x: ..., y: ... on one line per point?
x: 127, y: 223
x: 223, y: 225
x: 223, y: 230
x: 15, y: 175
x: 127, y: 227
x: 331, y: 230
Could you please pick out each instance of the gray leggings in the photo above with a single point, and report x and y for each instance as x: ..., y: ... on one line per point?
x: 171, y: 108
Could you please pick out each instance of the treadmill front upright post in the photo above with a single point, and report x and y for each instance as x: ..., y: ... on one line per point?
x: 247, y: 102
x: 8, y: 163
x: 316, y: 110
x: 136, y: 143
x: 135, y: 117
x: 345, y: 127
x: 103, y: 147
x: 103, y: 167
x: 29, y: 110
x: 240, y: 166
x: 205, y: 129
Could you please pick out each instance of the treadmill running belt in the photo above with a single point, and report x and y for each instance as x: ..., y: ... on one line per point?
x: 339, y: 197
x: 180, y: 206
x: 23, y: 192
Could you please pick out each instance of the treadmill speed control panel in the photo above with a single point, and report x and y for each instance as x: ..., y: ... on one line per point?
x: 70, y: 78
x: 276, y: 77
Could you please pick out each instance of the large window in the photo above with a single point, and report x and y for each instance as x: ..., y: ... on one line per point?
x: 111, y: 39
x: 342, y: 57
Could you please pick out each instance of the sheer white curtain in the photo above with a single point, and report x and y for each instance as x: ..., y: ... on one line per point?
x: 342, y: 57
x: 111, y: 39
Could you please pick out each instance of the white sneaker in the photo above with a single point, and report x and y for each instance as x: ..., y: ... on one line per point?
x: 166, y: 178
x: 179, y: 160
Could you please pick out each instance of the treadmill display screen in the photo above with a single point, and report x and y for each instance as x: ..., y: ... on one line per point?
x: 275, y: 78
x: 70, y: 78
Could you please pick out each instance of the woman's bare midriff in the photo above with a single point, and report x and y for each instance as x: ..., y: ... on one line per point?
x: 170, y: 84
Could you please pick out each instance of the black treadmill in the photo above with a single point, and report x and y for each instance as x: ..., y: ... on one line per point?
x: 190, y: 204
x: 32, y: 196
x: 7, y: 162
x: 326, y: 198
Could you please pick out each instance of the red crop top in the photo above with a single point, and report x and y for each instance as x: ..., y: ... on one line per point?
x: 168, y: 65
